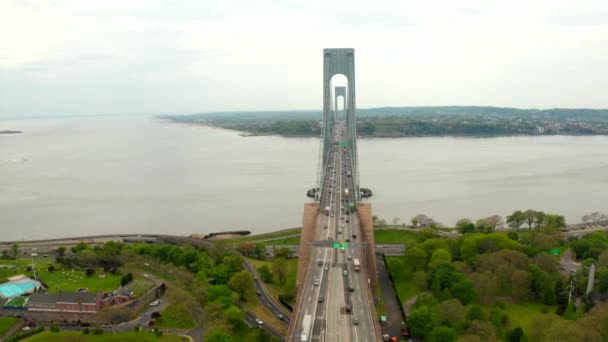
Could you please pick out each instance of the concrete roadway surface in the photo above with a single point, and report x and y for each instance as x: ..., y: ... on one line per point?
x: 251, y: 320
x: 330, y: 321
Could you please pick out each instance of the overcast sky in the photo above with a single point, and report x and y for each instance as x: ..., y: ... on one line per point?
x: 110, y: 57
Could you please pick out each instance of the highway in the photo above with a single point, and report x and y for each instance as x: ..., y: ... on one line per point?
x: 334, y: 296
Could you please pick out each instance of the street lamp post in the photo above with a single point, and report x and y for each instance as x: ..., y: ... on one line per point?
x: 34, y: 268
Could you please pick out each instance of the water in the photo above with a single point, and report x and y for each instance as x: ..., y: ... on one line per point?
x: 67, y: 177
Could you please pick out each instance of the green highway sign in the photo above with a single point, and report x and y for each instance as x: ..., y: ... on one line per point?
x: 340, y: 245
x: 344, y: 143
x: 336, y: 245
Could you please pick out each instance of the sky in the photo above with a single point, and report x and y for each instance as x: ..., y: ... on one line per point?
x: 149, y: 56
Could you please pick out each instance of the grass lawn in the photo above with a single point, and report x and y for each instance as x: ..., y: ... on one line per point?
x: 140, y: 286
x: 294, y: 240
x: 20, y: 265
x: 48, y: 336
x: 274, y: 287
x: 72, y: 280
x: 396, y: 236
x: 272, y: 235
x: 6, y: 323
x: 175, y: 316
x: 523, y: 314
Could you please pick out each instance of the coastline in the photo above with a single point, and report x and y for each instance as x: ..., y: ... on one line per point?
x: 11, y: 132
x: 241, y: 133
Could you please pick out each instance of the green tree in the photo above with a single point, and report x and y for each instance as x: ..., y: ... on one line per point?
x: 539, y: 219
x: 465, y: 225
x: 284, y: 252
x: 516, y: 219
x: 451, y: 313
x: 443, y: 334
x: 415, y: 257
x: 241, y: 282
x: 517, y: 335
x: 235, y: 316
x: 14, y: 250
x: 421, y: 321
x: 265, y: 274
x: 475, y: 312
x: 529, y: 218
x: 279, y: 267
x: 440, y: 256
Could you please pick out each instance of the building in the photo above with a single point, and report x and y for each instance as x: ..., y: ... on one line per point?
x: 74, y: 302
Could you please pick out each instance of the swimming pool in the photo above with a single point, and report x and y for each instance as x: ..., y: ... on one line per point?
x: 9, y: 290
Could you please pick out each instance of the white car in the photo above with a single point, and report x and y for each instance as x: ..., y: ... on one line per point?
x: 259, y: 321
x: 349, y: 257
x: 155, y: 303
x: 26, y: 329
x: 342, y: 249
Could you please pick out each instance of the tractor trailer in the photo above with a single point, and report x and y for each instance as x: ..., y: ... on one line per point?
x: 306, y: 328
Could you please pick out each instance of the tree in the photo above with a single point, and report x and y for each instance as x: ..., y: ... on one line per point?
x: 265, y: 273
x: 440, y: 256
x: 279, y: 267
x: 241, y: 282
x: 516, y: 219
x: 529, y: 217
x: 61, y: 250
x: 451, y: 313
x: 421, y: 321
x: 14, y: 250
x: 284, y: 252
x: 422, y: 221
x: 235, y: 316
x: 517, y: 335
x: 594, y: 218
x: 79, y: 247
x: 539, y: 219
x: 443, y: 334
x: 396, y: 220
x: 247, y: 248
x: 476, y: 313
x: 416, y: 258
x: 554, y: 222
x: 465, y: 225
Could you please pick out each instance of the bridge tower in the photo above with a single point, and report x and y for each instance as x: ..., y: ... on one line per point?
x: 339, y: 62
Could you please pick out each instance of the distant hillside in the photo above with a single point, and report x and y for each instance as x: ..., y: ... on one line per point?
x: 417, y: 121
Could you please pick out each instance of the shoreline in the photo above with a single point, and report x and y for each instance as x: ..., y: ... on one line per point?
x: 199, y: 124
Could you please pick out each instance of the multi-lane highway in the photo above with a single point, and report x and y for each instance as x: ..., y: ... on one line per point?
x: 336, y: 303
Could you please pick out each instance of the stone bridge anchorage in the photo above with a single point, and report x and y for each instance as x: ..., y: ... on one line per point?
x: 336, y: 282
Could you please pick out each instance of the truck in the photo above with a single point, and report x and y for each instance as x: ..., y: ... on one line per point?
x: 346, y: 193
x: 357, y: 264
x: 352, y: 207
x: 327, y: 211
x: 305, y: 328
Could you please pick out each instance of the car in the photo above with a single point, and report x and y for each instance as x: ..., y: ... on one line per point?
x: 258, y: 292
x: 351, y: 288
x: 145, y: 275
x: 349, y: 257
x: 155, y: 303
x: 259, y: 321
x: 325, y: 226
x: 348, y: 308
x: 339, y: 231
x: 280, y: 316
x: 321, y: 298
x: 26, y: 329
x: 345, y: 273
x: 355, y: 321
x: 316, y: 282
x: 347, y: 221
x: 326, y: 267
x: 342, y: 249
x: 342, y: 225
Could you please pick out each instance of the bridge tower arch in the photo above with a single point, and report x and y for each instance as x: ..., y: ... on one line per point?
x: 339, y: 62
